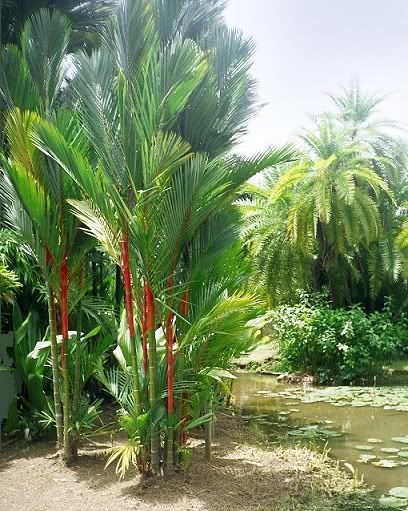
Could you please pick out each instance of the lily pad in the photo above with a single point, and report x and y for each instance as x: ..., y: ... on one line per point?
x: 365, y: 458
x: 364, y: 447
x: 392, y: 502
x: 391, y: 450
x: 313, y: 431
x: 395, y: 398
x: 403, y: 454
x: 386, y: 463
x: 374, y: 441
x: 400, y: 492
x: 401, y: 439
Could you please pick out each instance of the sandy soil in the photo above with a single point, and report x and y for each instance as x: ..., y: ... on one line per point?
x: 241, y: 477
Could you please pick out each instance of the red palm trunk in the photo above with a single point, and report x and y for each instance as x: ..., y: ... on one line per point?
x: 127, y: 282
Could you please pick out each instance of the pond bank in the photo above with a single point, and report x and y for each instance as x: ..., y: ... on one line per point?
x: 365, y: 428
x: 247, y: 473
x: 265, y: 360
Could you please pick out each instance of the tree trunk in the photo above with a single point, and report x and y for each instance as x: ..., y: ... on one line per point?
x: 180, y: 373
x: 64, y: 357
x: 170, y: 398
x: 118, y: 292
x: 151, y: 334
x: 208, y: 430
x: 94, y: 279
x: 54, y: 364
x: 77, y: 378
x: 100, y: 277
x: 131, y: 323
x: 144, y: 334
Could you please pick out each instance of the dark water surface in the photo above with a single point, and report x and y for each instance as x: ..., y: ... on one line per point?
x: 257, y: 396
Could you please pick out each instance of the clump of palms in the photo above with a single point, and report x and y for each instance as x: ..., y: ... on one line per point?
x: 330, y: 219
x: 138, y: 162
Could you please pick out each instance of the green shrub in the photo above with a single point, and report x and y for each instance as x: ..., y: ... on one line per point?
x: 336, y: 344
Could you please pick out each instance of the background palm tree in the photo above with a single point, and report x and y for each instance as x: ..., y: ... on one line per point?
x: 331, y: 219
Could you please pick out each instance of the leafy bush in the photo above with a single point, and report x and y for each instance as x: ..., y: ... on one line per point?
x: 336, y: 344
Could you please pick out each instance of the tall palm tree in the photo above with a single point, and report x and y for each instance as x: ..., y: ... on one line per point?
x: 33, y: 78
x: 330, y: 204
x: 282, y: 266
x: 357, y: 118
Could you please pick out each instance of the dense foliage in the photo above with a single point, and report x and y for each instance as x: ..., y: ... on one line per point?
x: 135, y: 255
x: 333, y: 217
x: 120, y: 183
x: 337, y: 344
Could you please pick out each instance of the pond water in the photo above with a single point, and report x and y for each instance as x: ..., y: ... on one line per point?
x: 366, y: 427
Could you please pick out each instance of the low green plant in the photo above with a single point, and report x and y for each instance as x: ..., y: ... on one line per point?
x: 9, y: 284
x: 33, y: 370
x: 133, y: 451
x: 88, y: 415
x: 186, y: 456
x: 336, y: 344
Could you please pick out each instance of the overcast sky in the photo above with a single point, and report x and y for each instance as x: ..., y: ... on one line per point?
x: 308, y: 47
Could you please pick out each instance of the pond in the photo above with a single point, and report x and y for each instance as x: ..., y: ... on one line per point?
x: 366, y: 427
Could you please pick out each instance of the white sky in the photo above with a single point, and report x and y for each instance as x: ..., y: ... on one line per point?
x: 308, y: 47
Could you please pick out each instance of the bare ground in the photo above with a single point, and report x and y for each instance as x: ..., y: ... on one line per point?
x: 244, y: 475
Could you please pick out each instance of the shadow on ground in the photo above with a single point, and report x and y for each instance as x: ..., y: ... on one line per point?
x: 240, y: 477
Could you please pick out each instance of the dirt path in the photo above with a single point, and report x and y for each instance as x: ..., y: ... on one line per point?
x: 240, y: 477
